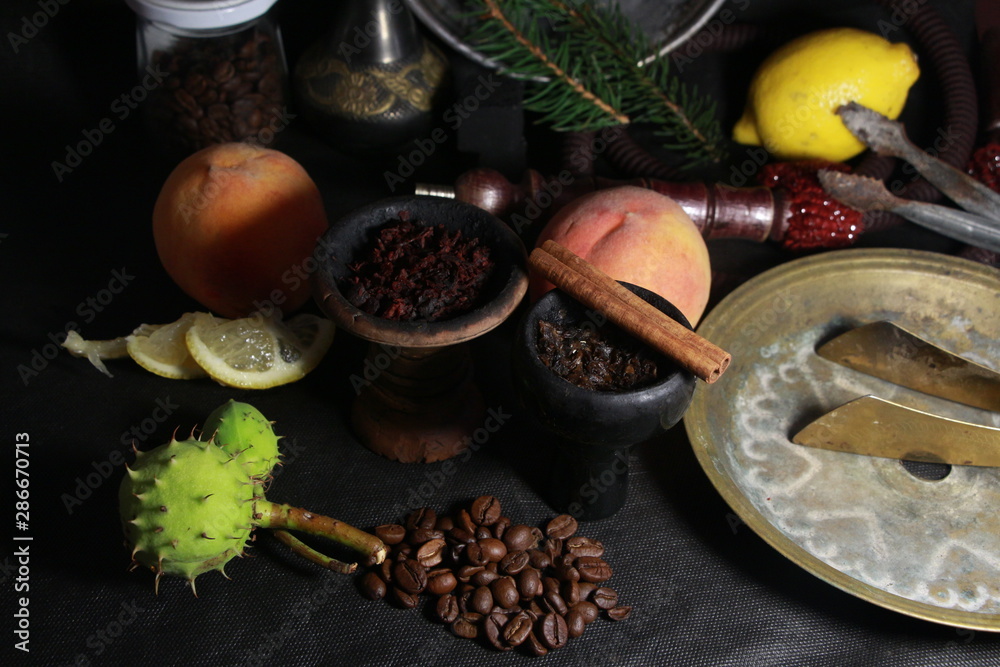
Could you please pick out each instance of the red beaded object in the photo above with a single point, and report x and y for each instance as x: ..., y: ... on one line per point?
x: 816, y: 219
x: 985, y: 166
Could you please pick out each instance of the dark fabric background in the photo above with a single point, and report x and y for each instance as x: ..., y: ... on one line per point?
x: 706, y: 590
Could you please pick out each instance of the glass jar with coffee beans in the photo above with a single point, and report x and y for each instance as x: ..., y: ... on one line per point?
x: 218, y: 69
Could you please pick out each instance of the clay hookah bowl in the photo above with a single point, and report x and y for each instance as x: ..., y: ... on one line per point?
x: 591, y: 431
x: 422, y: 403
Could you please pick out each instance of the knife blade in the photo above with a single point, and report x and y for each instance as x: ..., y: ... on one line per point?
x: 876, y: 427
x: 890, y: 352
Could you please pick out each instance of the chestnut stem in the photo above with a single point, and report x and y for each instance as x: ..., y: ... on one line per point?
x: 302, y: 549
x: 278, y: 517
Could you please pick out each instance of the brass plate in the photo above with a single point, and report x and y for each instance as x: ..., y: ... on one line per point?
x: 929, y: 549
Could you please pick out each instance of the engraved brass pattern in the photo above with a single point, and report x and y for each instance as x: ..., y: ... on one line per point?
x: 926, y: 548
x: 374, y: 91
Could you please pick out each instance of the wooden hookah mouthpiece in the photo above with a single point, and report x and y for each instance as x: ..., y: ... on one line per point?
x: 790, y: 209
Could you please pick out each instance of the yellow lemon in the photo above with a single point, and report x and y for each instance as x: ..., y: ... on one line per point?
x: 796, y: 91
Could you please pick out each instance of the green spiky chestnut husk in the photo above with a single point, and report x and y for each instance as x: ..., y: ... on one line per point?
x: 186, y: 508
x: 240, y: 428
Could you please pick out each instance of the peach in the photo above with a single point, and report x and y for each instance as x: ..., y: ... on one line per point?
x: 235, y: 226
x: 638, y: 236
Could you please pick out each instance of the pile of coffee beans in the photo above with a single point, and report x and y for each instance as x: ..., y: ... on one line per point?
x: 505, y: 584
x: 219, y: 89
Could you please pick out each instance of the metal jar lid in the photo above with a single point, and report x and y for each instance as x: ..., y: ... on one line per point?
x: 200, y: 14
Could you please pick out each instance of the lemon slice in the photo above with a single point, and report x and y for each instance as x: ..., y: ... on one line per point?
x: 257, y: 353
x: 161, y: 349
x: 95, y: 351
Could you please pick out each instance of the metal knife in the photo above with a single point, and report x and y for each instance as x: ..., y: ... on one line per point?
x: 890, y: 352
x: 876, y: 427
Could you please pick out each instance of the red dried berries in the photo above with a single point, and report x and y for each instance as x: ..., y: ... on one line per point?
x: 418, y: 272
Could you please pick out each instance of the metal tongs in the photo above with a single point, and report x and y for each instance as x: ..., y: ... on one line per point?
x: 876, y: 427
x: 978, y: 225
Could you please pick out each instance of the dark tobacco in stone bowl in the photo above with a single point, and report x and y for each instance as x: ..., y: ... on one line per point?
x: 418, y: 272
x: 596, y: 359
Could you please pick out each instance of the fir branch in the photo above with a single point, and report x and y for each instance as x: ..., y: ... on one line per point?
x: 592, y: 74
x: 494, y: 12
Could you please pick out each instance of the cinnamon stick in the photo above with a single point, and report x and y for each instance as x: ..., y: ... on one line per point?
x: 595, y: 289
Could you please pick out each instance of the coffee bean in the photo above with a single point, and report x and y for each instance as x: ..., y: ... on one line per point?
x: 505, y: 592
x: 493, y: 548
x: 461, y: 536
x: 385, y: 570
x: 512, y: 584
x: 561, y: 527
x: 431, y: 553
x: 485, y: 577
x: 466, y: 625
x: 465, y: 599
x: 588, y: 610
x: 475, y: 554
x: 485, y: 510
x: 529, y: 584
x: 402, y: 598
x: 604, y: 598
x: 555, y: 602
x: 593, y: 569
x: 500, y: 527
x: 553, y: 548
x: 516, y: 631
x: 482, y: 600
x: 619, y: 613
x: 514, y: 562
x: 539, y: 559
x: 372, y: 586
x: 464, y: 520
x: 570, y: 591
x: 447, y: 608
x: 584, y: 546
x: 422, y: 517
x: 535, y: 646
x: 575, y: 624
x: 493, y: 629
x: 553, y: 631
x: 519, y: 538
x: 409, y: 575
x: 419, y: 536
x: 441, y: 581
x: 566, y: 571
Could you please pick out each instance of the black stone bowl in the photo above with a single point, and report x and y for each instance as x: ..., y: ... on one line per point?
x: 593, y: 430
x: 351, y: 235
